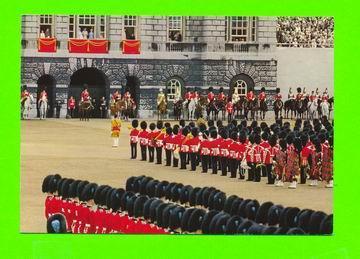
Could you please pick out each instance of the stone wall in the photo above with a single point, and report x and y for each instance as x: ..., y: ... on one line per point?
x: 152, y: 74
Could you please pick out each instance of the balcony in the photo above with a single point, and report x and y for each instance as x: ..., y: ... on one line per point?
x: 241, y: 47
x: 186, y: 47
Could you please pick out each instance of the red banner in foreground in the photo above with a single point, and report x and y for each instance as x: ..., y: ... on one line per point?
x: 88, y: 46
x: 131, y: 46
x: 47, y: 45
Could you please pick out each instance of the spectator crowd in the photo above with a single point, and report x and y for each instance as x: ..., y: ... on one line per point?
x: 307, y: 32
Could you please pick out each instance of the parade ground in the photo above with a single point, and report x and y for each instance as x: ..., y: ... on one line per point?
x: 83, y: 150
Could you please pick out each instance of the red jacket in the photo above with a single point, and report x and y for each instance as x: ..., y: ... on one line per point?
x: 233, y: 150
x: 143, y: 138
x: 178, y: 139
x: 229, y: 107
x: 215, y: 146
x: 184, y: 146
x: 168, y: 142
x: 194, y: 144
x: 188, y: 96
x: 221, y: 96
x: 211, y: 96
x: 134, y: 136
x: 159, y: 137
x: 278, y: 97
x: 250, y: 96
x: 224, y: 147
x: 266, y: 152
x: 205, y: 147
x: 305, y: 153
x: 262, y: 96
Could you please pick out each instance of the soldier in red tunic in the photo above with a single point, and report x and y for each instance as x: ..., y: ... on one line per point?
x: 85, y: 96
x: 230, y: 110
x: 258, y: 152
x: 305, y: 156
x: 184, y: 147
x: 280, y: 163
x: 205, y: 151
x: 177, y: 139
x: 241, y: 154
x: 215, y: 150
x: 194, y: 144
x: 221, y: 96
x: 188, y: 96
x: 315, y: 164
x: 134, y: 138
x: 211, y: 95
x: 71, y: 106
x: 224, y: 151
x: 151, y: 141
x: 159, y: 141
x: 168, y: 145
x: 292, y: 169
x: 250, y: 96
x: 327, y: 160
x: 233, y: 152
x: 195, y: 95
x: 266, y: 165
x: 143, y: 139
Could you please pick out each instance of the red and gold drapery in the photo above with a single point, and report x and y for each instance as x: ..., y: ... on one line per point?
x: 47, y: 44
x: 131, y: 46
x: 88, y: 46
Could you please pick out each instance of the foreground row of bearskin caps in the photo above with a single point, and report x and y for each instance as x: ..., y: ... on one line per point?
x: 179, y: 208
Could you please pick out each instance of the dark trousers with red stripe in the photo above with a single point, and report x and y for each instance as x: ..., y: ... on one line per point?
x: 223, y: 165
x: 158, y: 155
x: 214, y: 164
x: 133, y: 150
x: 183, y: 157
x: 151, y: 154
x: 143, y: 153
x: 204, y: 163
x: 233, y: 163
x: 193, y: 161
x: 168, y: 157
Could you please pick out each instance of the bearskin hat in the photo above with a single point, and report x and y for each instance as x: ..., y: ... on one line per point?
x: 185, y: 219
x: 221, y: 89
x: 143, y: 125
x: 277, y: 90
x: 139, y: 205
x: 146, y: 208
x: 232, y: 224
x: 207, y: 220
x: 195, y: 220
x: 262, y: 89
x: 298, y: 90
x: 185, y: 193
x: 56, y: 224
x: 167, y: 214
x: 115, y: 199
x: 143, y: 184
x: 262, y: 212
x: 176, y: 191
x: 159, y: 125
x: 45, y: 184
x: 135, y: 123
x: 244, y: 226
x: 175, y: 217
x: 88, y: 192
x: 251, y: 209
x: 211, y: 89
x: 214, y: 221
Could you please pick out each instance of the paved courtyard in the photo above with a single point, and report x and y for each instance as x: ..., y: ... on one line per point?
x: 82, y: 150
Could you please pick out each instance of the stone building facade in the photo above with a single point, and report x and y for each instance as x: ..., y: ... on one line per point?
x: 211, y: 52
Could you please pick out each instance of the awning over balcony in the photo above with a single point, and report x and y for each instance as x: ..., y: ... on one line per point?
x: 88, y: 46
x: 131, y: 46
x: 47, y: 44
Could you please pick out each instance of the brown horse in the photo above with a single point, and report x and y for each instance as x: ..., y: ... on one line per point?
x: 162, y: 108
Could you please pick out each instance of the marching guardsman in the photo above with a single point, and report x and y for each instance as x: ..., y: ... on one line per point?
x: 143, y: 139
x: 151, y: 143
x: 211, y: 95
x: 233, y: 152
x: 230, y: 110
x: 325, y: 96
x: 177, y: 138
x: 71, y: 106
x: 265, y: 166
x: 327, y: 150
x: 299, y: 95
x: 221, y: 96
x: 280, y: 163
x: 116, y: 96
x: 134, y: 138
x: 315, y: 164
x: 262, y: 95
x: 168, y: 145
x: 305, y: 156
x: 205, y: 151
x: 159, y: 141
x: 115, y: 130
x: 241, y: 154
x: 292, y: 169
x: 258, y: 152
x: 85, y: 96
x: 224, y: 151
x: 195, y: 95
x: 184, y: 147
x: 194, y: 143
x: 250, y: 96
x: 269, y: 158
x: 215, y: 150
x: 291, y: 96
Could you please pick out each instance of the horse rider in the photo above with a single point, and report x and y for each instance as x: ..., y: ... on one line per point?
x: 325, y: 96
x: 43, y: 96
x: 299, y: 95
x: 317, y: 93
x: 116, y: 96
x: 211, y: 95
x: 278, y: 96
x: 127, y: 95
x: 221, y: 96
x: 85, y: 96
x: 188, y: 96
x: 195, y: 95
x: 161, y: 97
x: 235, y: 96
x: 24, y: 94
x: 291, y: 96
x: 313, y: 97
x: 262, y: 95
x: 305, y: 95
x: 250, y: 96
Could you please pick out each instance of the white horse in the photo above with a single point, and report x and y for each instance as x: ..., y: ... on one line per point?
x: 312, y: 109
x: 325, y: 111
x: 191, y: 108
x: 43, y: 106
x: 26, y: 107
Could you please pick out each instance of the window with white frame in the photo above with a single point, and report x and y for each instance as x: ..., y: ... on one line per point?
x: 241, y: 28
x: 87, y: 26
x: 130, y: 27
x: 241, y: 87
x: 173, y: 89
x: 175, y: 28
x: 46, y: 26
